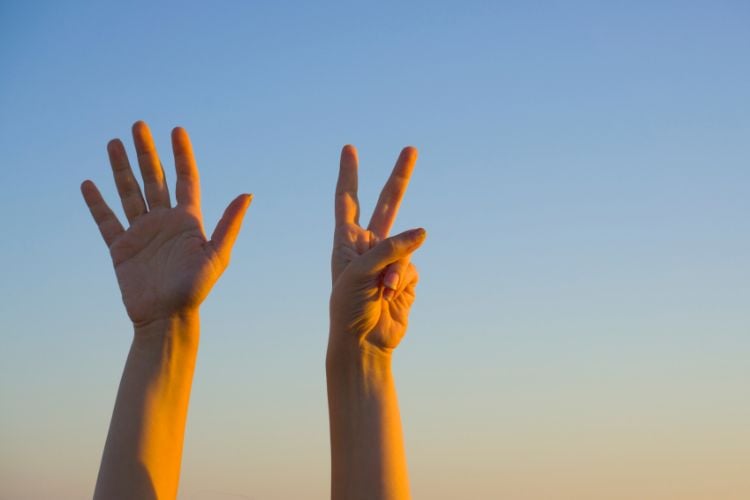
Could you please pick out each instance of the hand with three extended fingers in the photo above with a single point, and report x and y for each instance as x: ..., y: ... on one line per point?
x: 164, y: 264
x: 373, y: 279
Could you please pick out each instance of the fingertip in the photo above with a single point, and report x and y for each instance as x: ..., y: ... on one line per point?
x: 239, y: 205
x: 181, y: 140
x: 410, y: 152
x: 418, y: 234
x: 114, y: 146
x: 179, y: 133
x: 349, y: 150
x: 391, y: 280
x: 89, y: 191
x: 140, y: 128
x: 415, y: 238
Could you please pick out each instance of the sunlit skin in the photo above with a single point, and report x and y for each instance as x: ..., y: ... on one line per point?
x: 373, y: 290
x: 165, y: 266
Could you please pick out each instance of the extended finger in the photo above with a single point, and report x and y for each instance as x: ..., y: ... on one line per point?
x: 347, y: 205
x: 154, y: 182
x: 188, y: 190
x: 392, y: 193
x: 105, y: 219
x: 127, y: 186
x: 228, y: 227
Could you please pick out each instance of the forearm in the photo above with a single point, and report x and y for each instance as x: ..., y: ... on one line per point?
x: 368, y: 460
x: 143, y: 452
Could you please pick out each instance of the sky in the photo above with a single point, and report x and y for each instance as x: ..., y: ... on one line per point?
x: 582, y: 322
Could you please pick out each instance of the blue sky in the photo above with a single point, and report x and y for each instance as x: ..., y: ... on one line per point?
x: 583, y: 177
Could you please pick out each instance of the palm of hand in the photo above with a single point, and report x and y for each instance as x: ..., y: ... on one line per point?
x: 164, y: 264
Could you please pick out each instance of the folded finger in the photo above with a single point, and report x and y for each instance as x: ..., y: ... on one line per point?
x: 398, y: 277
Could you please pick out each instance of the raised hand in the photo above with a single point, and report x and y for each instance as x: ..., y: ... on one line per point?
x: 373, y: 290
x: 373, y: 280
x: 165, y: 267
x: 164, y: 264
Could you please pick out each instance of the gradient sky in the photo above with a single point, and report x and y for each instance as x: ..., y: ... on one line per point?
x: 582, y: 325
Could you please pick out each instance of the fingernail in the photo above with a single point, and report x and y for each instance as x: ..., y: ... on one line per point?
x: 417, y: 234
x: 391, y: 280
x: 388, y: 294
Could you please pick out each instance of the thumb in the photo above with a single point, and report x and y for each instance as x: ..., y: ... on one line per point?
x: 391, y: 250
x: 228, y: 227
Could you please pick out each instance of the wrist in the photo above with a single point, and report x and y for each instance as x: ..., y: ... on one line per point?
x: 354, y: 358
x: 180, y: 330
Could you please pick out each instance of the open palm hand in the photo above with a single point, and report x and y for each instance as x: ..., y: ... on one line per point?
x: 164, y: 263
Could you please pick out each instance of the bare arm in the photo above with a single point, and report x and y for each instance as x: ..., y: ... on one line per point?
x: 143, y: 451
x: 368, y: 460
x: 165, y: 268
x: 373, y: 290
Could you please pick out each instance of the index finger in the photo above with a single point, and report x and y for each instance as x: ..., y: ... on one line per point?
x: 347, y: 205
x: 390, y: 197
